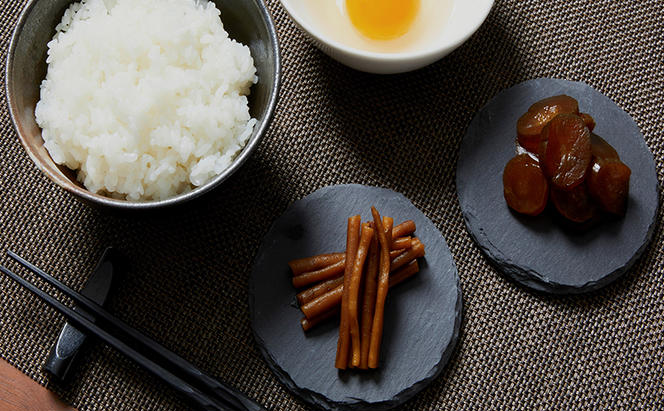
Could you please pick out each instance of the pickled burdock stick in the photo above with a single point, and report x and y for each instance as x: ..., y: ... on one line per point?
x: 333, y: 297
x: 331, y: 300
x: 403, y: 229
x: 369, y: 301
x: 305, y: 265
x: 308, y: 324
x: 400, y: 233
x: 404, y: 273
x: 401, y: 243
x: 318, y: 263
x: 330, y: 272
x: 323, y: 274
x: 323, y: 303
x: 396, y: 253
x: 354, y: 293
x: 316, y: 291
x: 416, y: 251
x: 388, y: 225
x: 381, y: 294
x: 352, y: 240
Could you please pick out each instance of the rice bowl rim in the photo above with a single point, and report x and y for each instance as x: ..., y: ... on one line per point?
x: 260, y: 128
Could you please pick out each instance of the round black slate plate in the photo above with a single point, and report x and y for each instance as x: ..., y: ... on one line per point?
x: 539, y: 252
x: 422, y: 317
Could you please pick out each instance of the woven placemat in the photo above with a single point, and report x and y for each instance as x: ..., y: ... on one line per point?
x: 187, y: 284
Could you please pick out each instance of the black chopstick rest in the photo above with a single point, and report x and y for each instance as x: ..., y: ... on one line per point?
x: 71, y: 340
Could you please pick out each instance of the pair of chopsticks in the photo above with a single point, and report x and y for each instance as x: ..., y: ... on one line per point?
x: 200, y: 389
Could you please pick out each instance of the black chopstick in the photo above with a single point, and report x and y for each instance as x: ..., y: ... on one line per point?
x: 182, y: 366
x: 79, y: 321
x: 231, y: 399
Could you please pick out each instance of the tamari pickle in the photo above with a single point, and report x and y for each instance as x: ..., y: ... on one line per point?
x: 530, y: 125
x: 559, y: 158
x: 608, y: 177
x: 589, y: 120
x: 525, y: 187
x: 567, y: 154
x: 575, y: 205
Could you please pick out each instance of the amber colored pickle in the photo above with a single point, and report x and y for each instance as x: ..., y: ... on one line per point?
x: 525, y: 187
x: 560, y: 160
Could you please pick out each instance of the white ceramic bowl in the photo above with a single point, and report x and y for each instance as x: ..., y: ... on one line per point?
x: 465, y: 18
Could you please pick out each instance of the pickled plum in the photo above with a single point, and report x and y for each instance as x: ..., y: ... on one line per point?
x: 567, y: 152
x: 609, y: 186
x: 529, y: 126
x: 559, y: 158
x: 589, y: 120
x: 608, y: 177
x: 575, y: 205
x: 601, y: 150
x: 525, y: 187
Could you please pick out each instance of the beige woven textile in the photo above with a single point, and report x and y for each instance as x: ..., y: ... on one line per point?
x: 187, y: 282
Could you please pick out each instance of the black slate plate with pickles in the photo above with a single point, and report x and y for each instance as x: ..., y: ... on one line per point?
x: 543, y: 253
x: 422, y: 317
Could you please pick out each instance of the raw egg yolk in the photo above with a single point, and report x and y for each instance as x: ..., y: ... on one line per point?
x: 382, y: 19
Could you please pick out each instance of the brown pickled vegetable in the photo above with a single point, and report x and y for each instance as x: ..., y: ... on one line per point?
x: 601, y: 150
x: 396, y: 253
x: 589, y: 120
x: 384, y: 239
x: 336, y: 265
x: 318, y: 290
x: 403, y: 229
x: 308, y: 324
x: 354, y: 292
x: 352, y: 243
x: 369, y: 301
x: 401, y: 243
x: 567, y: 153
x: 609, y: 186
x: 404, y: 273
x: 323, y: 274
x: 314, y: 263
x: 575, y: 205
x: 530, y: 125
x: 578, y: 171
x: 323, y: 303
x: 416, y: 251
x: 379, y: 255
x: 525, y: 188
x: 332, y: 299
x: 608, y: 177
x: 388, y: 225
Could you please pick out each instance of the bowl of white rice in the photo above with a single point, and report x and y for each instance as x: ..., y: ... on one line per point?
x: 139, y: 104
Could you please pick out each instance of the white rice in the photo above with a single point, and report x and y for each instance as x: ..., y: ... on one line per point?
x: 145, y: 98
